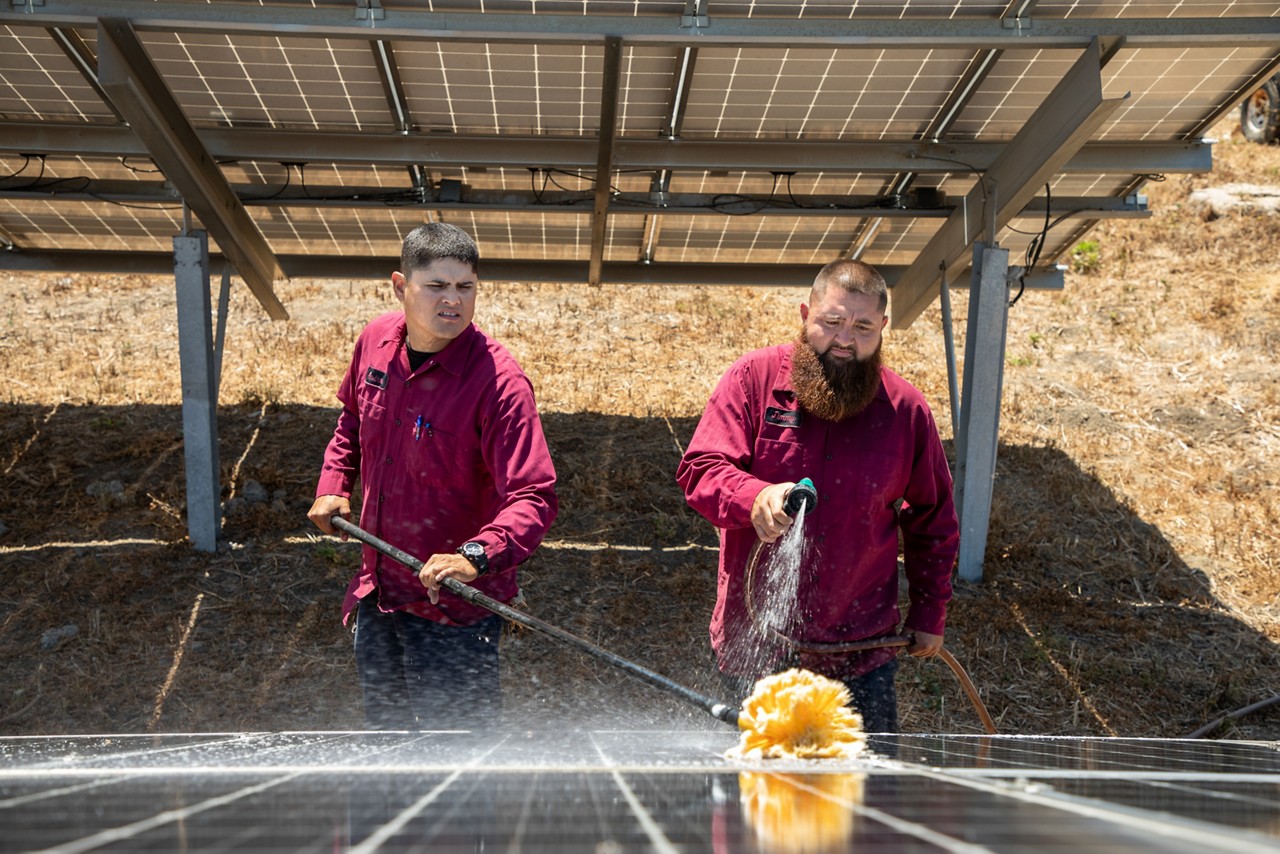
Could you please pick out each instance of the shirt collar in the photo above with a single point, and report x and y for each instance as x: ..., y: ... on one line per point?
x: 453, y: 358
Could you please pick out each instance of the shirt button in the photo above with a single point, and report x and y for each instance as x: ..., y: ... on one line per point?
x: 388, y: 460
x: 829, y: 456
x: 398, y: 424
x: 826, y: 497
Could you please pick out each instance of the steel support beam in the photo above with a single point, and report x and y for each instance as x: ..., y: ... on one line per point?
x: 977, y: 435
x: 404, y: 24
x: 559, y: 203
x: 197, y: 360
x: 384, y: 60
x: 81, y: 56
x: 1056, y: 130
x: 660, y: 185
x: 447, y: 150
x: 494, y: 270
x: 127, y: 74
x: 610, y: 81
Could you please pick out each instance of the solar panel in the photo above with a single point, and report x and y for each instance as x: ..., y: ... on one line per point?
x: 630, y: 790
x: 723, y: 73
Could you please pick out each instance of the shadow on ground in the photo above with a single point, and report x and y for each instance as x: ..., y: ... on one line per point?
x: 1087, y: 621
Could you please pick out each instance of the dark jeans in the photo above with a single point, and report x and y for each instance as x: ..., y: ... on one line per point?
x: 874, y: 696
x: 417, y: 674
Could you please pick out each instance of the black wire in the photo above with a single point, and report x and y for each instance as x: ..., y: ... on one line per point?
x: 302, y: 178
x: 1032, y: 255
x: 790, y: 194
x: 146, y: 206
x: 982, y: 178
x: 533, y: 184
x: 26, y: 161
x: 33, y: 181
x: 721, y: 202
x: 124, y: 161
x: 288, y: 177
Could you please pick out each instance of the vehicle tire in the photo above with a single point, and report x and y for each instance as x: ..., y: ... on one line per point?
x: 1260, y: 113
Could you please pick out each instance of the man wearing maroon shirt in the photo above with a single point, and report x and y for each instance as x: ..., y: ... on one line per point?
x: 439, y: 423
x: 824, y: 407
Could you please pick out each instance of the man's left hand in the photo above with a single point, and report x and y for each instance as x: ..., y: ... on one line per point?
x: 439, y: 567
x: 924, y: 645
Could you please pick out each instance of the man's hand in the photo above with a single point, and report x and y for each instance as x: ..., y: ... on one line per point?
x: 925, y: 645
x: 439, y: 567
x: 326, y: 507
x: 767, y: 515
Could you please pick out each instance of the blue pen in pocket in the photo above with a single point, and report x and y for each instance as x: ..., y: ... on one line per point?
x: 417, y: 429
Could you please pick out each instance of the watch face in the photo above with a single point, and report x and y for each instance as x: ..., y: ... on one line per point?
x: 473, y: 549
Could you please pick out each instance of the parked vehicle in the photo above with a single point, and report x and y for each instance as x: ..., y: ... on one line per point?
x: 1260, y: 112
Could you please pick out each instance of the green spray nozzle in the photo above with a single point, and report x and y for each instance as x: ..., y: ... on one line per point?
x: 803, y: 496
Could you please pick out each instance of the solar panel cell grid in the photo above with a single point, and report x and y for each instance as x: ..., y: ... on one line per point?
x: 251, y: 81
x: 37, y: 80
x: 578, y: 791
x: 813, y: 94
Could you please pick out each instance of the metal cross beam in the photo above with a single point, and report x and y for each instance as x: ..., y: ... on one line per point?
x: 1057, y: 129
x: 629, y: 153
x: 494, y: 270
x: 137, y: 91
x: 561, y: 202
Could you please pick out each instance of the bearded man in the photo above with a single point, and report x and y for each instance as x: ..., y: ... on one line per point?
x: 824, y: 407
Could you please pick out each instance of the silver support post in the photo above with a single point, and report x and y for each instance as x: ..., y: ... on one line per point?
x: 197, y: 360
x: 980, y: 405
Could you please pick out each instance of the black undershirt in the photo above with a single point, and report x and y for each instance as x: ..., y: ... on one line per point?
x: 416, y: 358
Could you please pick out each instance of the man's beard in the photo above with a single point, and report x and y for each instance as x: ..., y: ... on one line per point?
x: 833, y: 390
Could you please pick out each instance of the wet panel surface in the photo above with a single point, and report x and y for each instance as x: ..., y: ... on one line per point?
x: 630, y: 791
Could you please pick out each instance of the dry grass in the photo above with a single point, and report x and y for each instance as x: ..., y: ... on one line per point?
x: 1131, y: 577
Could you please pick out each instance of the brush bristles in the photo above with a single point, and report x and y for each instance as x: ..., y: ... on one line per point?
x: 800, y: 715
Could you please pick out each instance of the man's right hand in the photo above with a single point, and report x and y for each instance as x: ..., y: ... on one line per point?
x: 325, y: 508
x: 767, y: 515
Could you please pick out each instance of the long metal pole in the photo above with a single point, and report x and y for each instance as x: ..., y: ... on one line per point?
x: 715, y: 708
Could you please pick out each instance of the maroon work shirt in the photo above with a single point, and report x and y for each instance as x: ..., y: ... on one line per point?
x: 476, y: 467
x: 877, y: 473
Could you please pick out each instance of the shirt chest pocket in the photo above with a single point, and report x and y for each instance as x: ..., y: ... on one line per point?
x: 872, y: 480
x: 439, y: 458
x: 777, y: 460
x: 373, y: 416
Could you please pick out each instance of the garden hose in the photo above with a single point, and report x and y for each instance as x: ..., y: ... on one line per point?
x: 856, y: 646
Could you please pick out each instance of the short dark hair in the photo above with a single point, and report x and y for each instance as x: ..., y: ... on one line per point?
x: 433, y: 240
x: 851, y: 277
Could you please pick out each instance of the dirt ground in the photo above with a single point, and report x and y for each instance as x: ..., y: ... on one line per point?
x: 1133, y: 563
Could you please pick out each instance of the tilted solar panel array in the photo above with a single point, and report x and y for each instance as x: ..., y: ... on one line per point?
x: 748, y: 141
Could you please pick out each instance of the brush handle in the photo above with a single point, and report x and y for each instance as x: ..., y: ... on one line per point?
x: 715, y: 708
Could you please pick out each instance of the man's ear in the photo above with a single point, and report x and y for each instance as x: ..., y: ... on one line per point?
x: 804, y: 313
x: 397, y: 283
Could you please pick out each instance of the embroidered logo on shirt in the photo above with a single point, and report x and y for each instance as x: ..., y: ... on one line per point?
x: 782, y: 417
x: 375, y: 378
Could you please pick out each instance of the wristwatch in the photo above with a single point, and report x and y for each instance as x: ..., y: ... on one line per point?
x: 474, y: 552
